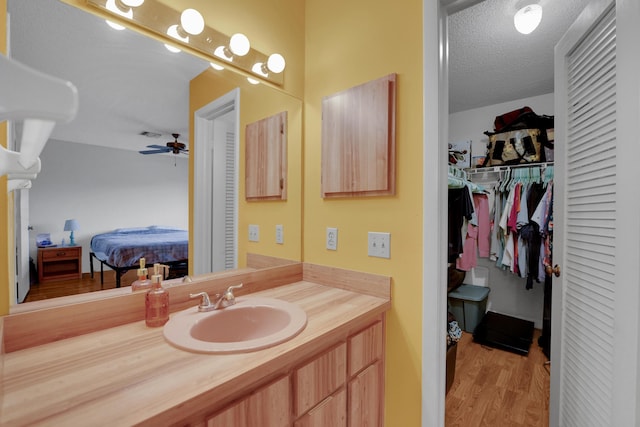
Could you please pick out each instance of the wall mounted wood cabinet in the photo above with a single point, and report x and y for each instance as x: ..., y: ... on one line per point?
x: 266, y: 158
x: 358, y: 140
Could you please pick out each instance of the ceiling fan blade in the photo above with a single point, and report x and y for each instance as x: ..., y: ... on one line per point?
x: 158, y: 147
x: 153, y: 151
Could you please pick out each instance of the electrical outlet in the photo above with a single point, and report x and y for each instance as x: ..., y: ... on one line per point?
x: 254, y: 233
x: 279, y: 234
x: 332, y: 239
x: 379, y: 244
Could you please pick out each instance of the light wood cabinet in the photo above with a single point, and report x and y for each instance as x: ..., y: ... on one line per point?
x: 342, y: 385
x: 266, y: 158
x: 332, y: 411
x: 364, y: 398
x: 270, y: 406
x: 365, y: 388
x: 319, y: 378
x: 358, y: 140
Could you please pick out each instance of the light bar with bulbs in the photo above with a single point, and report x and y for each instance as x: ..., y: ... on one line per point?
x: 187, y: 28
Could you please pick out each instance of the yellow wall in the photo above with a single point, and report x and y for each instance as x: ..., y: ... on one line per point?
x: 5, y: 215
x: 258, y: 102
x: 349, y: 43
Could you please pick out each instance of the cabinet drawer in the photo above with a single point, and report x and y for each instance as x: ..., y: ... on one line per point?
x: 330, y: 412
x: 55, y: 253
x: 319, y: 378
x: 365, y: 347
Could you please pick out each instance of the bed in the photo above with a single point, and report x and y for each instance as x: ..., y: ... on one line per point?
x: 122, y: 248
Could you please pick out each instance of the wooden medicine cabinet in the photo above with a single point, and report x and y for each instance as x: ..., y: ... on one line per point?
x: 266, y: 158
x: 358, y: 140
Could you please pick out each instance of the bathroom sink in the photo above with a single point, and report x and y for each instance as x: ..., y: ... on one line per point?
x: 252, y: 323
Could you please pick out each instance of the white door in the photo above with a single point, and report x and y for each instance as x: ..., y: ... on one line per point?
x: 215, y: 206
x: 594, y: 352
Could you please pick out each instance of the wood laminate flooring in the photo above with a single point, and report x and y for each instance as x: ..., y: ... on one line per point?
x: 497, y: 388
x: 40, y: 291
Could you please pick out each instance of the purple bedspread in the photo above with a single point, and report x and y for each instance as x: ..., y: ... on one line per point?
x: 124, y: 247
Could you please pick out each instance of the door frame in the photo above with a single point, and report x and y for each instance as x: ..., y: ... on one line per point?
x: 203, y: 197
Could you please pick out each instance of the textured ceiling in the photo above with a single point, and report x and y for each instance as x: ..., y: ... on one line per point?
x: 126, y: 83
x: 129, y: 83
x: 490, y: 62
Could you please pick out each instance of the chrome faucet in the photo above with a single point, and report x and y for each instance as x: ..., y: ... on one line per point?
x: 221, y: 301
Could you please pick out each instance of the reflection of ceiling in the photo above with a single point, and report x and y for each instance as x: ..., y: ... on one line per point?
x: 127, y: 83
x: 490, y: 62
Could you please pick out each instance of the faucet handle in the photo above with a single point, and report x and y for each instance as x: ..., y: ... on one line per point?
x: 205, y: 302
x: 231, y: 288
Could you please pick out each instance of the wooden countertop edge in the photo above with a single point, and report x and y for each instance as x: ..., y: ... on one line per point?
x: 82, y: 315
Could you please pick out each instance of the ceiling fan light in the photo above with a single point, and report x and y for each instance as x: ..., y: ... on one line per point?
x: 276, y: 63
x: 239, y: 44
x: 192, y: 21
x: 528, y: 18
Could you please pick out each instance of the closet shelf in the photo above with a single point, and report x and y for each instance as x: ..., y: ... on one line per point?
x: 474, y: 171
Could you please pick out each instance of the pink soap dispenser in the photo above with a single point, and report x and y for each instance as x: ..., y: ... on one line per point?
x: 143, y: 281
x: 157, y: 300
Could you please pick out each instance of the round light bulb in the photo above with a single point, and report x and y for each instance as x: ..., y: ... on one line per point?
x: 216, y: 66
x: 252, y: 81
x: 528, y: 18
x: 239, y: 44
x: 132, y: 3
x: 192, y: 21
x: 171, y: 48
x: 276, y: 63
x: 114, y: 25
x: 258, y: 69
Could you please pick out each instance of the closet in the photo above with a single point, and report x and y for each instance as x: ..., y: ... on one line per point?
x: 501, y: 217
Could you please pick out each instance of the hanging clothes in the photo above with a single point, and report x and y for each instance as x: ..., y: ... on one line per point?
x: 477, y: 240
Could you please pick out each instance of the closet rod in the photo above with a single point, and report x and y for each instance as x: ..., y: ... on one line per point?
x: 471, y: 171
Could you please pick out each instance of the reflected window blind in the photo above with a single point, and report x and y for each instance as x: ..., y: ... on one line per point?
x: 591, y: 225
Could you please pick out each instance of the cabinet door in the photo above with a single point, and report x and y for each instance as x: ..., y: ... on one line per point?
x: 271, y: 405
x: 365, y: 347
x: 266, y: 158
x: 235, y: 415
x: 330, y: 412
x: 319, y: 378
x: 365, y: 398
x: 358, y: 140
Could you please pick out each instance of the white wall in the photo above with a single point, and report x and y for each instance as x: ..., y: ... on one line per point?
x: 508, y: 294
x: 105, y: 189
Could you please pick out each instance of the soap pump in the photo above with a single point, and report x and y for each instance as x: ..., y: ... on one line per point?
x: 143, y: 281
x: 157, y: 299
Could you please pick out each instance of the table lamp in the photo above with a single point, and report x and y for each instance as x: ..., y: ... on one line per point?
x: 71, y: 225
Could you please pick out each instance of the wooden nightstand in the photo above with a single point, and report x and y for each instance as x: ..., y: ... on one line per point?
x: 59, y: 263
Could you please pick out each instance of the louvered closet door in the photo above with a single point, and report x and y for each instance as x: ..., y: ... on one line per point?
x: 585, y: 199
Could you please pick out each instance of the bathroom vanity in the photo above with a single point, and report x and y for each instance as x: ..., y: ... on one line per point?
x: 118, y: 372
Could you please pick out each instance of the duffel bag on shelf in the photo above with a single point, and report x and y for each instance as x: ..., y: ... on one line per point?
x: 515, y: 147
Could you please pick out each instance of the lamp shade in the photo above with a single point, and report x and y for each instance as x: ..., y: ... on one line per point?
x: 71, y: 225
x: 527, y: 19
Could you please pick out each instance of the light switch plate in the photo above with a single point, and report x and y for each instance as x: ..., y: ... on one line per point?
x: 254, y: 233
x: 332, y: 239
x: 279, y: 234
x: 379, y: 244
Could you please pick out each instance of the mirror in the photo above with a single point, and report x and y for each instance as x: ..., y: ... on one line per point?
x: 100, y: 179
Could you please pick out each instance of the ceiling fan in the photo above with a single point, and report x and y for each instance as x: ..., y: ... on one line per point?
x: 172, y: 146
